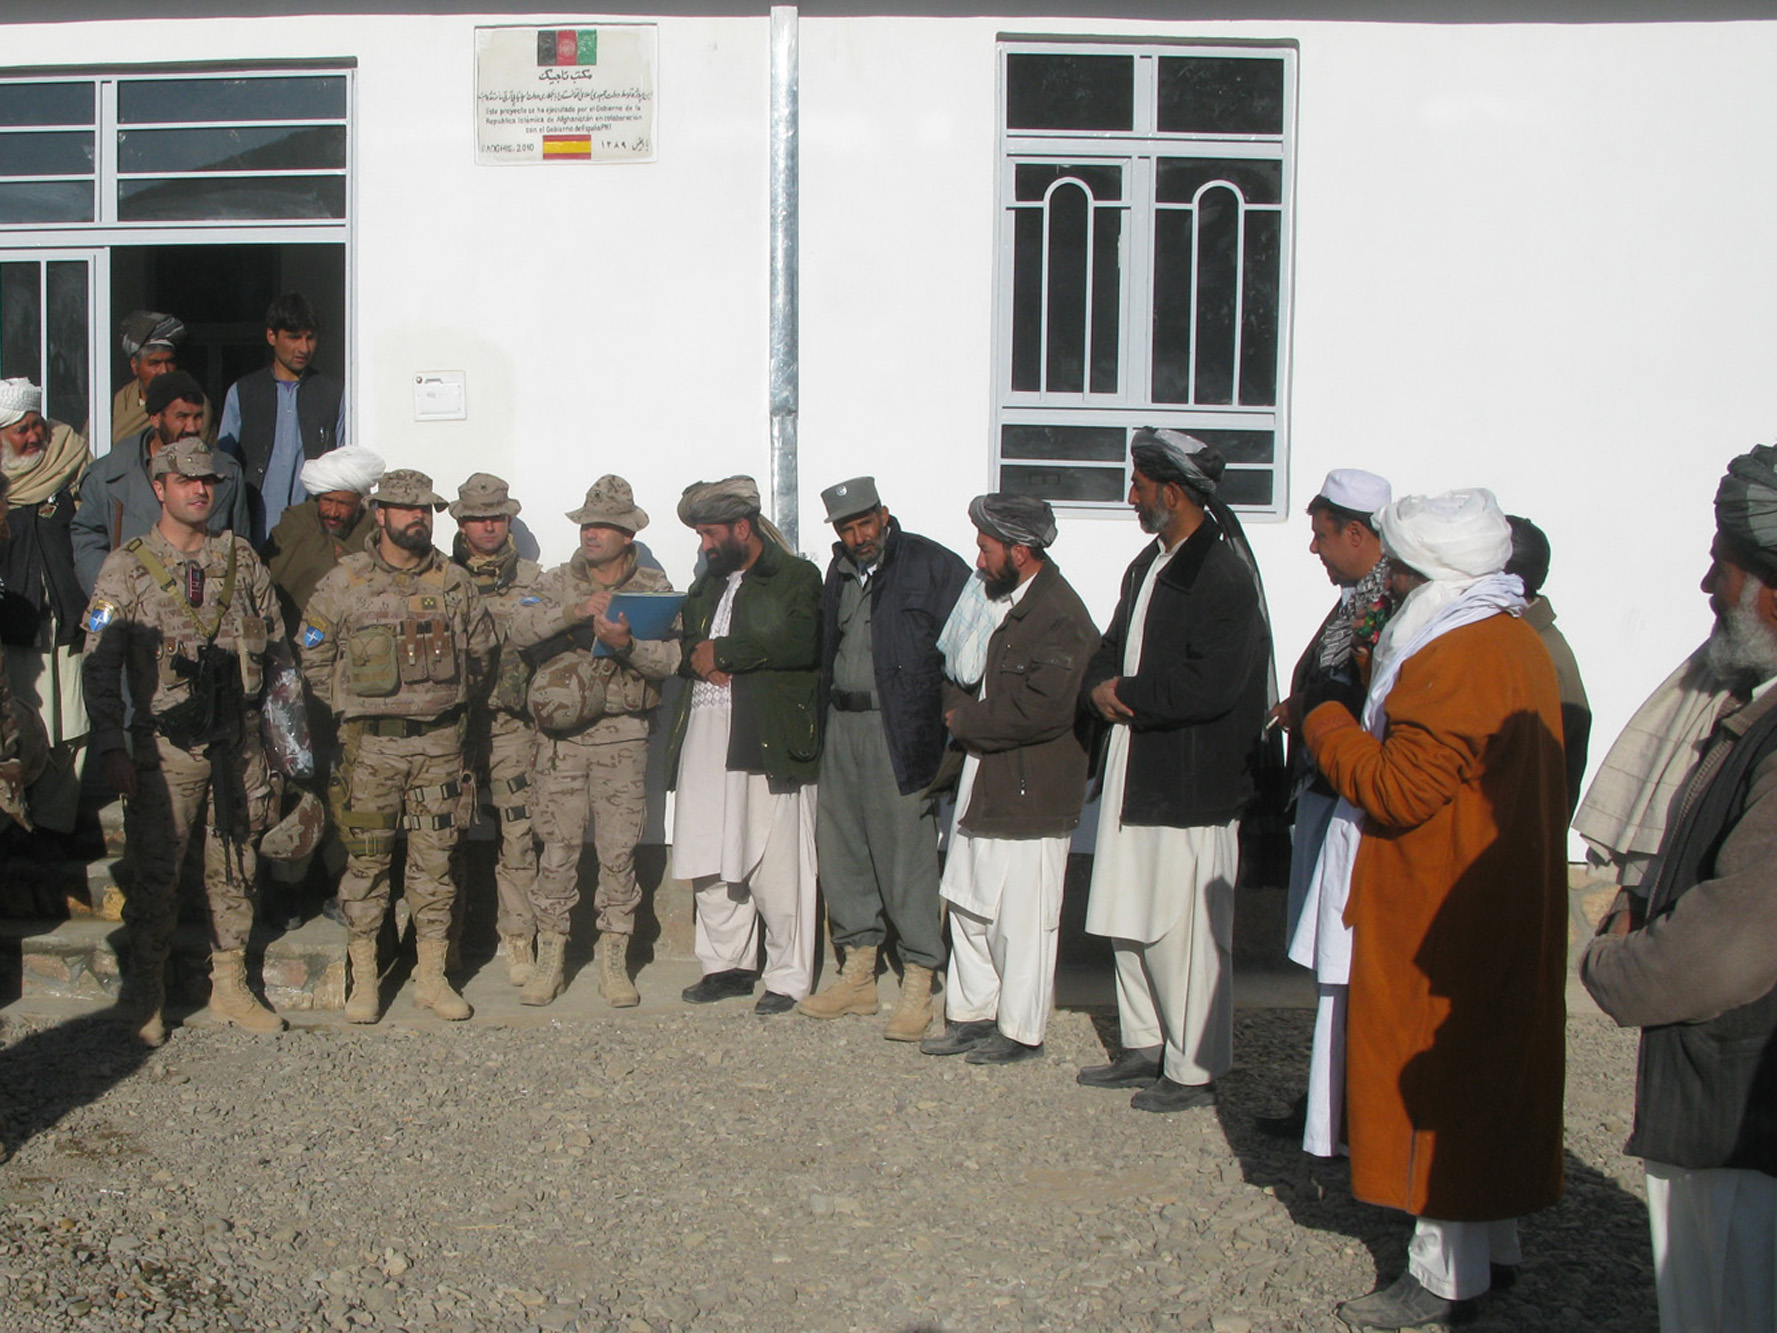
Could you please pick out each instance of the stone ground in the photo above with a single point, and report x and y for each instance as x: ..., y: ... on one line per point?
x: 672, y: 1168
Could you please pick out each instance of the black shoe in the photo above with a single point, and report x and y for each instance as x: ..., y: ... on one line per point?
x: 773, y: 1003
x: 334, y: 912
x: 1292, y: 1124
x: 999, y: 1049
x: 1165, y: 1095
x: 1132, y: 1069
x: 958, y: 1038
x: 729, y: 985
x: 1405, y: 1304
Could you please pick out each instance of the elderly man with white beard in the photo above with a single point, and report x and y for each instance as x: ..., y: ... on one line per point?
x: 41, y: 596
x: 1685, y: 809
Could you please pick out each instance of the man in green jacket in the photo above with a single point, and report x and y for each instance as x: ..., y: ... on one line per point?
x: 745, y: 749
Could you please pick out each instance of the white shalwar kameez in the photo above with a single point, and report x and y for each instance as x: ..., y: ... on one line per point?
x: 1322, y: 942
x: 1002, y: 944
x: 746, y: 845
x: 1173, y: 949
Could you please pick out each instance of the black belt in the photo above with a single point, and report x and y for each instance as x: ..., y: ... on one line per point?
x: 408, y: 727
x: 853, y: 701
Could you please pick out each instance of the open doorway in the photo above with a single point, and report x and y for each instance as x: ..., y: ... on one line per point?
x: 221, y: 292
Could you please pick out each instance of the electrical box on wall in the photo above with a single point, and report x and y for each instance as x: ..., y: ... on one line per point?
x: 438, y: 396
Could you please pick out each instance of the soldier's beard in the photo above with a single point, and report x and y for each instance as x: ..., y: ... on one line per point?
x: 415, y: 538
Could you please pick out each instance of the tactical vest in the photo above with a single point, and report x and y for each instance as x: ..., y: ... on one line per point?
x: 405, y: 638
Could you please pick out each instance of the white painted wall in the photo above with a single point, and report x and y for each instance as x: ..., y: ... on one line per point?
x: 1527, y: 256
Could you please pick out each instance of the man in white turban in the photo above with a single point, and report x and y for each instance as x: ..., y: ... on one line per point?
x: 1451, y: 834
x: 41, y: 598
x: 311, y: 537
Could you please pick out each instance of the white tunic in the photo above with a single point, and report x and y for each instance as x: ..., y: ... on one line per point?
x: 1142, y: 876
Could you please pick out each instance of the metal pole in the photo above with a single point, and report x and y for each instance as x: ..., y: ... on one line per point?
x: 784, y: 346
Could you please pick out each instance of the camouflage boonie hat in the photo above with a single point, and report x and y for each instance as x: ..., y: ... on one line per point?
x: 569, y: 691
x: 298, y: 833
x: 407, y: 489
x: 611, y: 502
x: 189, y: 457
x: 484, y: 496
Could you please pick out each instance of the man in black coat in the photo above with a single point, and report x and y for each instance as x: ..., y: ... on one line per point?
x: 1182, y: 677
x: 886, y: 596
x: 276, y: 419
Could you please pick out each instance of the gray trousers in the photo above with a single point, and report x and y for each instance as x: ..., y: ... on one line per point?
x: 877, y: 849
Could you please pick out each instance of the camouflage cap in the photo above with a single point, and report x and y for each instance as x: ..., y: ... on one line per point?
x: 569, y: 691
x: 298, y: 833
x: 407, y: 489
x: 612, y: 503
x: 189, y: 457
x: 484, y: 496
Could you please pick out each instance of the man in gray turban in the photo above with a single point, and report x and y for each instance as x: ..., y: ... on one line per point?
x: 1690, y: 954
x: 745, y: 750
x: 151, y: 342
x: 1017, y: 719
x: 1181, y: 676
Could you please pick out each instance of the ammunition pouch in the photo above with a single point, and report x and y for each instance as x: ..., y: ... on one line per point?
x: 371, y: 668
x: 428, y: 652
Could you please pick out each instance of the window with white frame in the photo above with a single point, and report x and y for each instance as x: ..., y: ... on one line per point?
x: 234, y: 147
x: 1144, y: 263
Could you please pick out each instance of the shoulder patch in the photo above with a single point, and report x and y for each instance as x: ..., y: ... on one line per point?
x: 529, y: 601
x: 100, y: 614
x: 312, y: 635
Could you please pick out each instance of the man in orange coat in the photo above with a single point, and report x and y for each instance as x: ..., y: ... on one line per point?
x: 1455, y: 808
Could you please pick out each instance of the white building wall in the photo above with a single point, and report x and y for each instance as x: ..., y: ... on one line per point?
x: 1527, y: 256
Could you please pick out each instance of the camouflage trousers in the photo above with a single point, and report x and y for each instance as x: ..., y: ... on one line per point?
x: 607, y: 782
x: 512, y: 753
x: 172, y: 796
x: 416, y: 783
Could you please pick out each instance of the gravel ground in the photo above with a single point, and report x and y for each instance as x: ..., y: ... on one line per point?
x: 673, y: 1168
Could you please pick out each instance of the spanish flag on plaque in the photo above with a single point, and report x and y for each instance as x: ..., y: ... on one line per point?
x: 567, y: 148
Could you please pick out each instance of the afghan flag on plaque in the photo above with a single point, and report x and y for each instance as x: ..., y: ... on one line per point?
x: 567, y: 148
x: 567, y: 46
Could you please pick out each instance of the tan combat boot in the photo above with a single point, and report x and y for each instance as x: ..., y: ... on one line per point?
x: 231, y: 1001
x: 431, y: 990
x: 546, y: 981
x: 138, y: 1008
x: 363, y: 1004
x: 520, y: 960
x: 913, y: 1011
x: 853, y: 991
x: 614, y: 983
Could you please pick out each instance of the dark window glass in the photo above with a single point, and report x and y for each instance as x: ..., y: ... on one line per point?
x: 68, y: 380
x: 1105, y: 182
x: 52, y: 154
x: 270, y: 148
x: 1027, y: 300
x: 302, y: 97
x: 1243, y: 486
x: 1260, y: 181
x: 1259, y: 310
x: 1220, y: 95
x: 1218, y: 282
x: 1064, y: 483
x: 1238, y: 446
x: 46, y: 104
x: 1106, y: 298
x: 21, y: 326
x: 231, y: 198
x: 46, y: 201
x: 1070, y: 212
x: 1172, y: 306
x: 1097, y: 443
x: 1070, y: 92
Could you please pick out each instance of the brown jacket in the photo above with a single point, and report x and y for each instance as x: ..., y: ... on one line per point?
x: 1027, y: 729
x: 300, y: 552
x: 1454, y: 1036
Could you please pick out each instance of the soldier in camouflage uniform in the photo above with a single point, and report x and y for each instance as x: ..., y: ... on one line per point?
x: 592, y: 712
x: 192, y: 622
x: 502, y: 741
x: 395, y: 640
